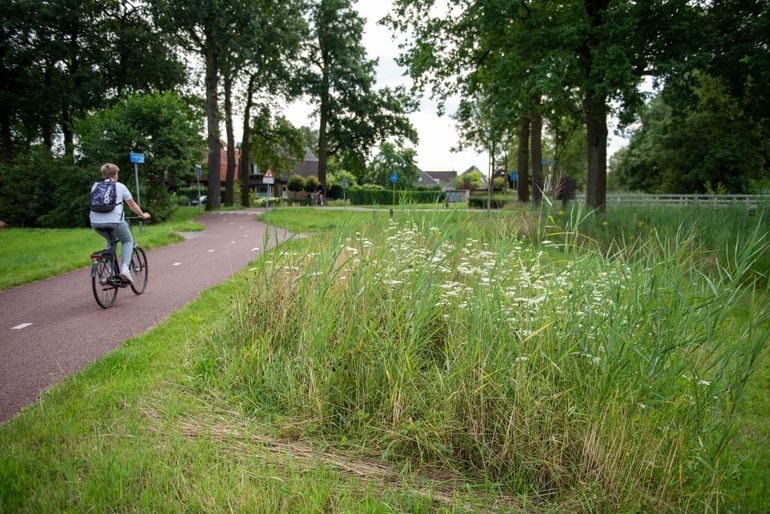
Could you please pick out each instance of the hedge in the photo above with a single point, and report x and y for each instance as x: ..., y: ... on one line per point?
x: 498, y: 201
x: 360, y: 196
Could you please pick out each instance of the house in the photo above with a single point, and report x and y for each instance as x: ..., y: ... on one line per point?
x: 444, y: 179
x: 222, y: 164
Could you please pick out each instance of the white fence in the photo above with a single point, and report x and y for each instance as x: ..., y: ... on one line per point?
x: 751, y: 202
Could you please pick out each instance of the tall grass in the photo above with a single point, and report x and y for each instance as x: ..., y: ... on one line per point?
x: 590, y: 379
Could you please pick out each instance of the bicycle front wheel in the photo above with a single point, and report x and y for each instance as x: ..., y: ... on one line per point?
x: 139, y: 270
x: 105, y: 292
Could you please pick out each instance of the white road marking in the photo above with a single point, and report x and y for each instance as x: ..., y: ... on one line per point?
x: 255, y: 249
x: 232, y: 242
x: 19, y: 327
x: 177, y: 264
x: 211, y: 251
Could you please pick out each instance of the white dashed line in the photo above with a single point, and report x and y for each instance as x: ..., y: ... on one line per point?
x: 177, y: 264
x: 232, y: 242
x: 211, y: 251
x: 19, y: 327
x: 255, y: 249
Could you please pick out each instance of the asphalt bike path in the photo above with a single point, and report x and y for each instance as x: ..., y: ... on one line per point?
x: 54, y: 327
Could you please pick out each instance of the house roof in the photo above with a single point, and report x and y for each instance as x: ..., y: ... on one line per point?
x: 442, y: 178
x: 308, y: 167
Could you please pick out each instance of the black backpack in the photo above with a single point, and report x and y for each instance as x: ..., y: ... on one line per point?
x: 104, y: 196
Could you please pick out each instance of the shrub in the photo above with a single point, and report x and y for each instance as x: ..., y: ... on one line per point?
x: 311, y: 184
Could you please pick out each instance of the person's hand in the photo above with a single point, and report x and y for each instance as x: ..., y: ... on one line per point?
x: 146, y: 215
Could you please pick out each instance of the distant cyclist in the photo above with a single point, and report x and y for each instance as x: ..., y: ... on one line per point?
x: 107, y: 197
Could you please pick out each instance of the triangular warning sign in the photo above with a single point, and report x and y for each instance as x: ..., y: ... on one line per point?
x: 269, y: 173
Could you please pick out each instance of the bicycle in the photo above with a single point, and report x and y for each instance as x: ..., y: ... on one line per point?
x: 105, y: 273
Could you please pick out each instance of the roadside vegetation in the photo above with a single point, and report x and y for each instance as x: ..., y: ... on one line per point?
x: 29, y: 254
x: 434, y: 361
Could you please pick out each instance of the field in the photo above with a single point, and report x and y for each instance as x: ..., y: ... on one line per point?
x: 437, y: 361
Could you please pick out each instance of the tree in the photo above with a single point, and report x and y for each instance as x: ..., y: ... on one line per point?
x: 391, y: 159
x: 202, y: 27
x: 264, y: 37
x: 60, y: 60
x: 714, y: 142
x: 295, y: 184
x: 275, y: 142
x: 468, y: 180
x: 162, y: 126
x: 339, y: 78
x: 519, y: 53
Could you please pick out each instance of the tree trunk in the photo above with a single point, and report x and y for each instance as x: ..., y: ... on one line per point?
x: 230, y: 177
x: 245, y: 161
x: 322, y: 136
x: 523, y: 159
x: 490, y: 185
x: 595, y: 108
x: 536, y: 136
x: 596, y: 133
x: 66, y: 129
x: 212, y: 69
x: 5, y: 133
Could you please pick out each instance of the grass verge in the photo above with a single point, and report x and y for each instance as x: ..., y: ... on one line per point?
x: 428, y: 365
x: 27, y: 255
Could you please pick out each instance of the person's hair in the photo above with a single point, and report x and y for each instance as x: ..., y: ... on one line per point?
x: 109, y: 170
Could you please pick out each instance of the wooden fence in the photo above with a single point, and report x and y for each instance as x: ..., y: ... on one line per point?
x: 751, y: 202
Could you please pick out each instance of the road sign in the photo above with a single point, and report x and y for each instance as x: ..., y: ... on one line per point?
x: 344, y: 184
x: 549, y: 162
x: 136, y: 157
x: 394, y: 177
x: 267, y: 178
x: 198, y: 171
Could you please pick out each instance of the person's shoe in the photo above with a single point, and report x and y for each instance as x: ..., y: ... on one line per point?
x: 125, y: 274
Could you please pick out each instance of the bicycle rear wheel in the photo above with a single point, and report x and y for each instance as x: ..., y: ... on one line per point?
x: 105, y: 293
x: 138, y: 270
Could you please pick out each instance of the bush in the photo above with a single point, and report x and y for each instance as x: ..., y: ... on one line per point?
x: 40, y: 191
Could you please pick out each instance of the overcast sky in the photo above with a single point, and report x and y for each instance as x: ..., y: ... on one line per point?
x: 437, y: 134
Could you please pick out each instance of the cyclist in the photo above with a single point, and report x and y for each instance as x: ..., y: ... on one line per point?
x: 113, y: 219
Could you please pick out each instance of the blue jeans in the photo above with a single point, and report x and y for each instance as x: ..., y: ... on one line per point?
x: 122, y: 233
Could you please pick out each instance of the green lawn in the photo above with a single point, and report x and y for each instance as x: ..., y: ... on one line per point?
x: 436, y: 362
x: 27, y: 255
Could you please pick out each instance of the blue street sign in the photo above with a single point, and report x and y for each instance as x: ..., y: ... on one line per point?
x: 549, y: 161
x: 514, y: 176
x: 344, y: 184
x: 394, y: 177
x: 136, y: 157
x: 198, y: 171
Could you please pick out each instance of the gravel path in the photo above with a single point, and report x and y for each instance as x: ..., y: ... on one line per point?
x: 52, y: 328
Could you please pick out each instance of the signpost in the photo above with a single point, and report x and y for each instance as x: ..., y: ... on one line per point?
x: 136, y: 159
x: 268, y: 179
x: 198, y: 175
x: 393, y: 179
